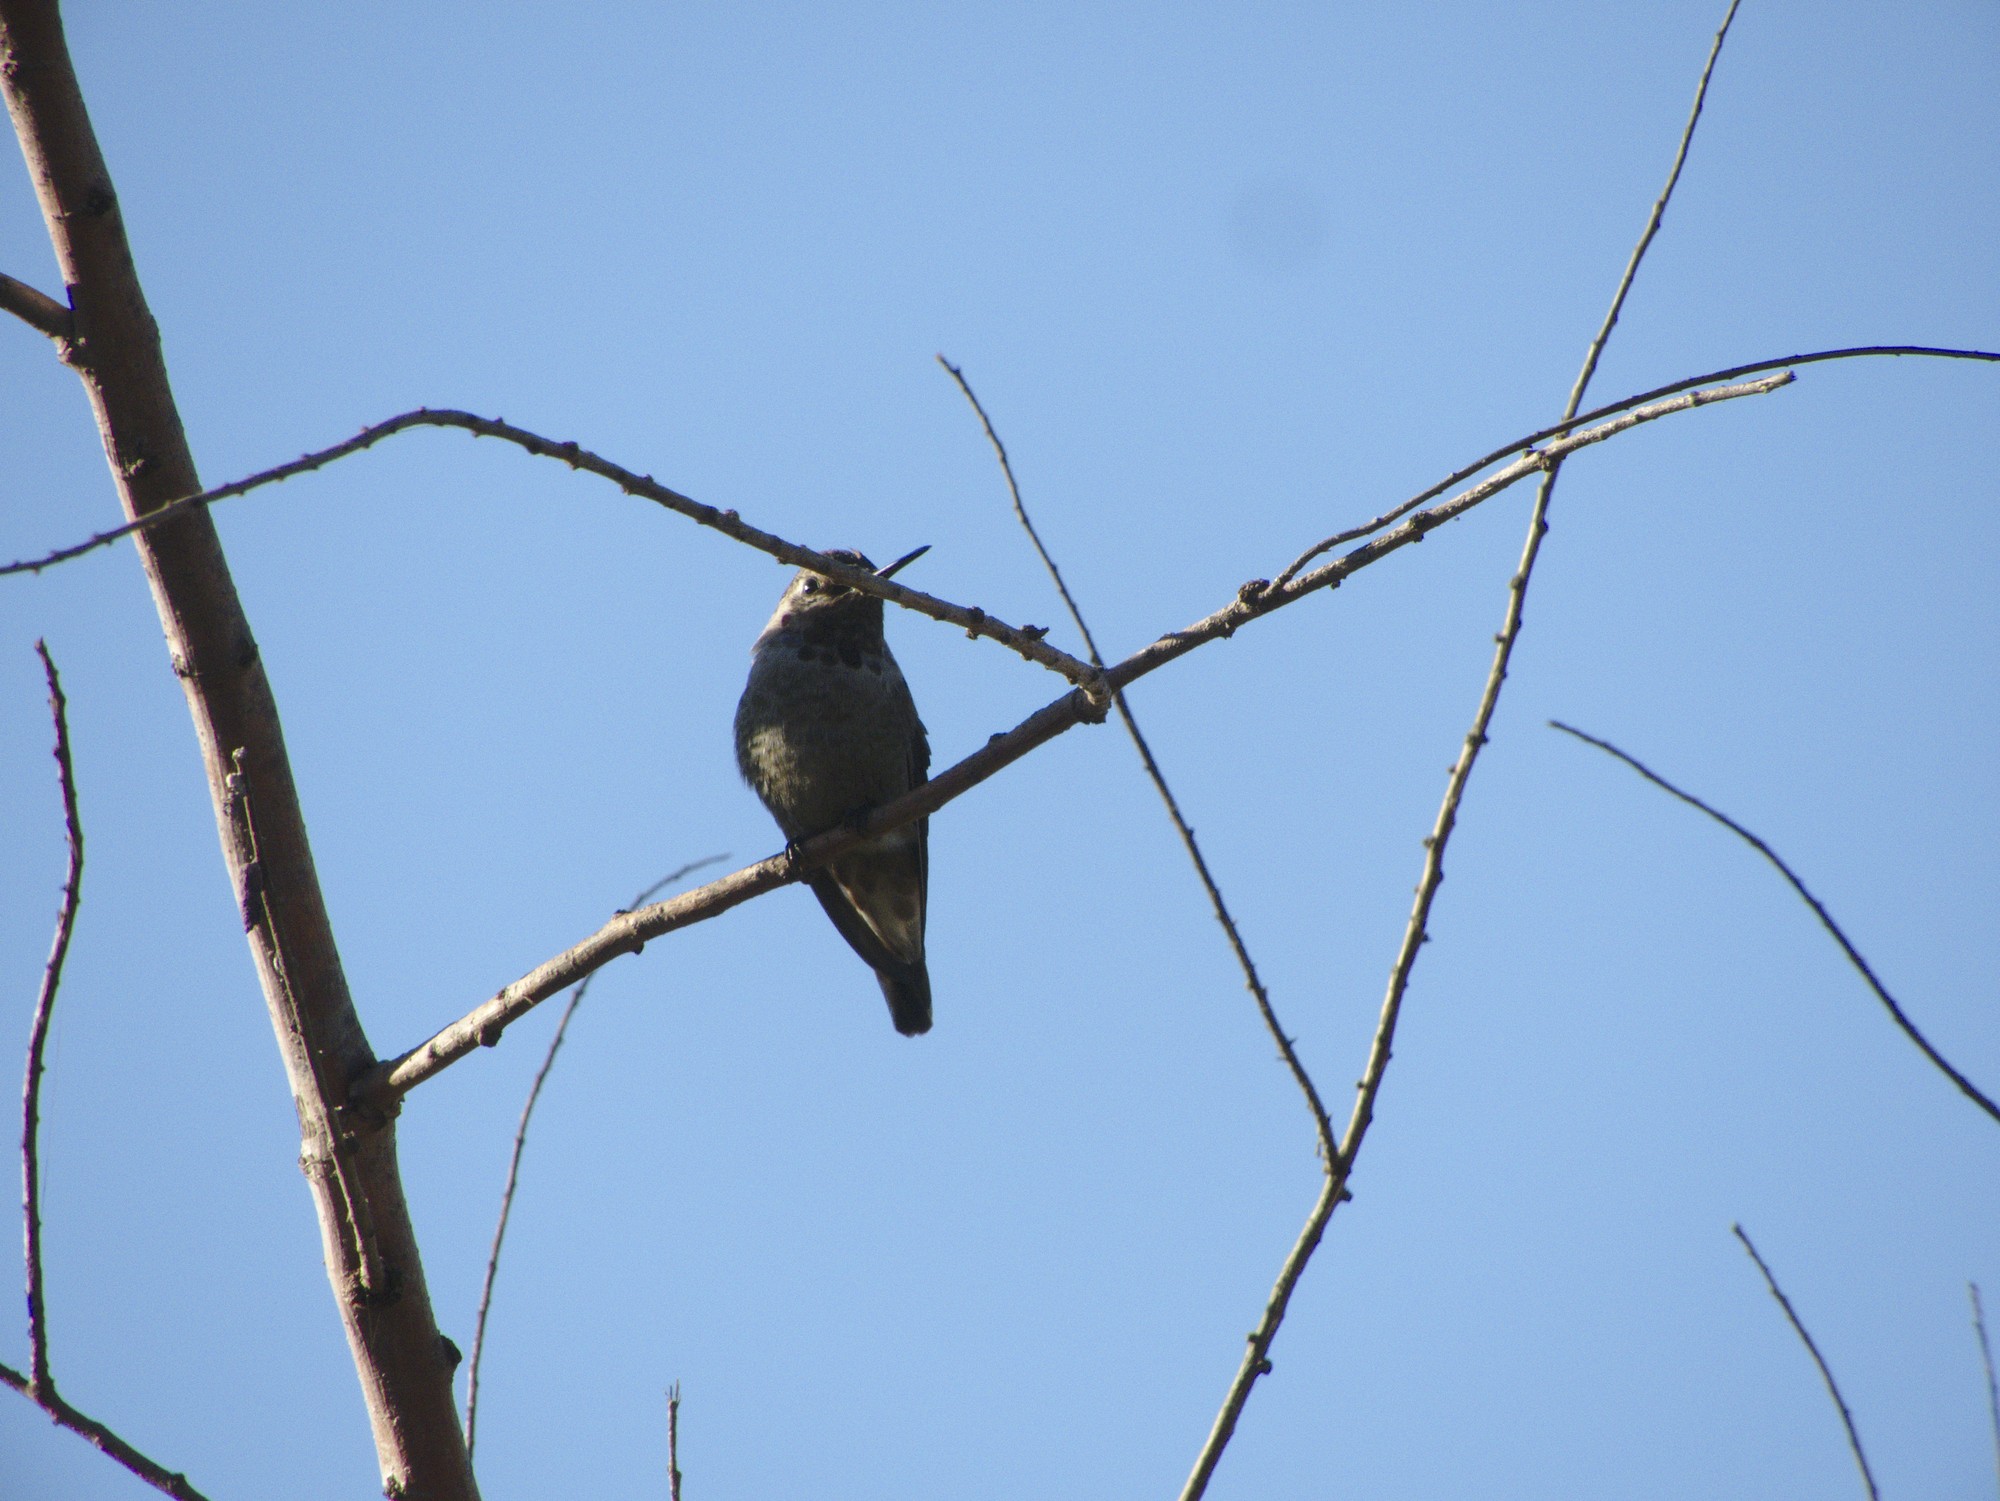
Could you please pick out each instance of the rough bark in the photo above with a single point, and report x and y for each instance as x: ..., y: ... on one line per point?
x: 371, y: 1252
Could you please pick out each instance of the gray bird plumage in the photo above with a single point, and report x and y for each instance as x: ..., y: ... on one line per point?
x: 826, y: 730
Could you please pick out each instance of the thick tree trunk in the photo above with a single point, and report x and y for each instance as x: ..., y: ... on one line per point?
x: 371, y: 1251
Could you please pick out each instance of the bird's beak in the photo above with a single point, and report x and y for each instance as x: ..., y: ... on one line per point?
x: 906, y: 558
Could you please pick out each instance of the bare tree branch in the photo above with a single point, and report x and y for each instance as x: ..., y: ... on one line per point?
x: 1734, y: 372
x: 402, y: 1361
x: 1416, y: 933
x: 674, y: 1443
x: 1826, y: 1375
x: 103, y: 1439
x: 376, y: 1091
x: 38, y: 1035
x: 1026, y: 640
x: 1986, y: 1359
x: 1257, y: 1362
x: 804, y: 557
x: 1341, y: 1165
x: 35, y: 308
x: 38, y: 1384
x: 1322, y: 1125
x: 514, y: 1164
x: 1896, y: 1014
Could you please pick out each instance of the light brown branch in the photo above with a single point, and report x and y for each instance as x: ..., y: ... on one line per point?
x: 1896, y: 1013
x: 35, y: 308
x: 1825, y: 1372
x: 1026, y: 640
x: 38, y: 1036
x: 370, y: 1247
x: 376, y: 1092
x: 514, y: 1166
x: 103, y: 1439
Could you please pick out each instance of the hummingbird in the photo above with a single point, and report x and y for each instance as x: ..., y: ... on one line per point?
x: 825, y: 731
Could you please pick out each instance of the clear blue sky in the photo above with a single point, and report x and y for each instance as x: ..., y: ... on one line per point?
x: 1229, y: 279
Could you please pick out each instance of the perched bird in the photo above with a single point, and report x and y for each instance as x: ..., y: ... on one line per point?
x: 825, y: 731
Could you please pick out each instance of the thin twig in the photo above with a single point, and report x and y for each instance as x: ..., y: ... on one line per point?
x: 514, y: 1163
x: 38, y: 1383
x: 103, y: 1439
x: 1322, y: 1124
x: 548, y: 448
x: 1826, y: 1374
x: 1986, y: 1359
x: 38, y: 1034
x: 1625, y: 404
x: 35, y: 308
x: 378, y: 1090
x: 1896, y: 1014
x: 1026, y: 640
x: 1416, y: 933
x: 674, y: 1442
x: 1257, y: 1363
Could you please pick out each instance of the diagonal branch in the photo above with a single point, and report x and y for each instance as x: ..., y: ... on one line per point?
x: 514, y: 1165
x: 1027, y: 640
x: 103, y: 1439
x: 35, y: 308
x: 1734, y: 372
x: 402, y: 1361
x: 1257, y: 1361
x: 1417, y: 933
x: 1896, y: 1014
x: 378, y: 1089
x: 1825, y: 1373
x: 1322, y: 1125
x: 40, y: 1380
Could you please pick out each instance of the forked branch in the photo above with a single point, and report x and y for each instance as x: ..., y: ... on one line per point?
x: 378, y: 1091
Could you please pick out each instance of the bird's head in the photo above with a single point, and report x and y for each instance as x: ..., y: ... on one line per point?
x: 813, y: 602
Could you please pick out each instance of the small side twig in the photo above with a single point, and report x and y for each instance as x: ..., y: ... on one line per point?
x: 514, y: 1161
x: 1826, y: 1374
x: 1896, y: 1013
x: 1416, y: 932
x: 1256, y: 1361
x: 38, y: 1034
x: 101, y: 1438
x: 674, y: 1442
x: 1986, y: 1359
x: 35, y: 308
x: 38, y: 1383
